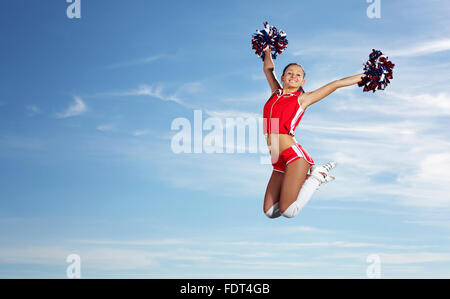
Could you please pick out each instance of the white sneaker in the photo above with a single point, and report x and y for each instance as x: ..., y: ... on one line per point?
x: 316, y: 171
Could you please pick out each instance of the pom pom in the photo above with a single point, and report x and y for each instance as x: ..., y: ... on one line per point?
x: 378, y: 70
x: 271, y: 37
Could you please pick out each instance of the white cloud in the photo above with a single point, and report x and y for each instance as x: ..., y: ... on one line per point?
x: 297, y: 245
x: 34, y: 255
x: 190, y: 88
x: 440, y: 223
x: 258, y: 77
x: 174, y: 254
x: 432, y: 168
x: 404, y: 159
x: 223, y: 114
x: 135, y: 242
x: 422, y: 48
x: 136, y: 62
x: 32, y: 110
x: 252, y: 98
x: 117, y: 259
x: 400, y: 258
x: 107, y: 258
x: 106, y: 128
x: 302, y: 229
x: 140, y: 132
x: 403, y: 163
x: 412, y: 258
x: 343, y: 44
x: 77, y: 108
x: 13, y: 143
x: 267, y: 264
x: 400, y: 105
x: 155, y: 91
x: 362, y: 129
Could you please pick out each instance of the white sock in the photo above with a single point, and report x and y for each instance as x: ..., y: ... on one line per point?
x: 307, y: 190
x: 274, y: 211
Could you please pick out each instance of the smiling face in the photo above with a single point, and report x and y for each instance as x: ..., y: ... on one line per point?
x: 293, y: 77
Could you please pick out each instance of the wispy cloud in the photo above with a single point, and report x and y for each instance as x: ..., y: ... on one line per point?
x: 95, y: 256
x: 303, y: 229
x: 422, y: 48
x: 259, y: 97
x: 343, y: 43
x: 140, y: 61
x: 223, y: 114
x: 232, y: 174
x: 91, y: 258
x: 150, y: 255
x: 399, y: 169
x: 402, y: 153
x: 298, y: 245
x: 77, y: 108
x: 401, y: 258
x: 12, y: 143
x: 440, y: 223
x: 32, y: 110
x: 155, y: 91
x: 140, y: 132
x: 135, y: 242
x: 401, y: 105
x: 190, y: 88
x: 149, y: 90
x: 106, y: 128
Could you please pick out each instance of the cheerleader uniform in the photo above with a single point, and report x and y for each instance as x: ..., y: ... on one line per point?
x: 282, y: 114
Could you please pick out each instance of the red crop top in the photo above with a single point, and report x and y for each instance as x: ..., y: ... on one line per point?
x: 282, y: 113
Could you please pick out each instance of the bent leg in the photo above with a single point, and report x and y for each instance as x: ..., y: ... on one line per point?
x: 293, y: 181
x: 272, y: 196
x: 309, y: 186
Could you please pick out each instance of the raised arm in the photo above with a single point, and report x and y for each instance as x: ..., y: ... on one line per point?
x: 309, y: 98
x: 269, y: 68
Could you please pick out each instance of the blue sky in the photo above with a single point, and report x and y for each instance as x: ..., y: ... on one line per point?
x: 86, y: 107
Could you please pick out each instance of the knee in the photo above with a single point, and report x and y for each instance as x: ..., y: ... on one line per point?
x: 273, y: 212
x: 290, y: 211
x: 271, y: 215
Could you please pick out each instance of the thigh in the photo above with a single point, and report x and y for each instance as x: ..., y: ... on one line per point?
x: 293, y: 180
x: 273, y: 190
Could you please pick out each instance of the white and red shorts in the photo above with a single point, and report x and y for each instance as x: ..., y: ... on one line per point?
x: 290, y: 155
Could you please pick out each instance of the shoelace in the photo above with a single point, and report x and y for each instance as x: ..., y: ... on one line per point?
x: 328, y: 166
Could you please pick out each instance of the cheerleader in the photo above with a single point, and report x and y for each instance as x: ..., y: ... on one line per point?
x: 291, y: 186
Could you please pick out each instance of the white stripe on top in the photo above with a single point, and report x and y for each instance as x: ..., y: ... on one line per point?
x: 296, y: 117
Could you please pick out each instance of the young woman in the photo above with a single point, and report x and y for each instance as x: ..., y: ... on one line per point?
x: 290, y: 187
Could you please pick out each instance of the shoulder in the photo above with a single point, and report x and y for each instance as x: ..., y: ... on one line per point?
x: 303, y: 100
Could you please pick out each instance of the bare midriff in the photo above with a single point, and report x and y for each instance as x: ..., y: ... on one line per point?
x: 278, y: 143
